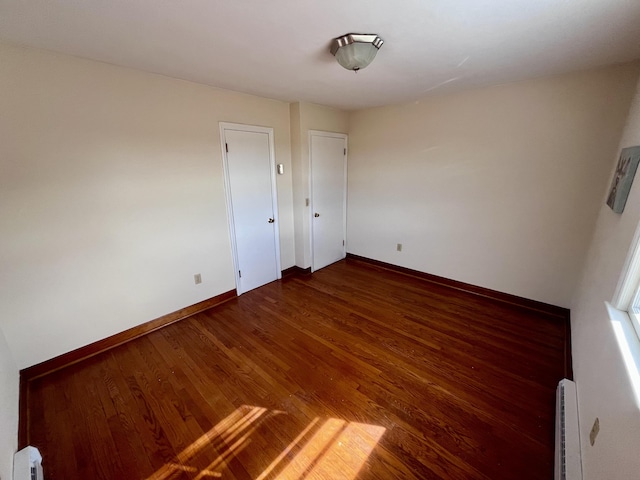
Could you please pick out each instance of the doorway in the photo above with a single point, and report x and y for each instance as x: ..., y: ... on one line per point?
x: 250, y: 184
x: 328, y: 165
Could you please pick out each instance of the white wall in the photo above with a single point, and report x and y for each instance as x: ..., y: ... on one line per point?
x: 112, y: 197
x: 494, y: 186
x: 604, y: 390
x: 305, y: 117
x: 8, y: 409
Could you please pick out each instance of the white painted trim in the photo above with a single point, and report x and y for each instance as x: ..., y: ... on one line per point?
x: 625, y: 320
x: 630, y: 277
x: 345, y: 137
x: 626, y: 333
x: 229, y: 201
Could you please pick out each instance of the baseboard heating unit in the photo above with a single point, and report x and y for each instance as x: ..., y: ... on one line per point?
x: 568, y: 463
x: 27, y: 464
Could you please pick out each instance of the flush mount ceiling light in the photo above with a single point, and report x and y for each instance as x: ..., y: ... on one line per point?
x: 355, y: 51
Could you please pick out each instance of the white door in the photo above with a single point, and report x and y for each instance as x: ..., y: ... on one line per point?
x: 328, y: 154
x: 251, y: 199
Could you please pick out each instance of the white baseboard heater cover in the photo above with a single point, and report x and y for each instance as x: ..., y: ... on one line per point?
x: 27, y: 464
x: 568, y: 462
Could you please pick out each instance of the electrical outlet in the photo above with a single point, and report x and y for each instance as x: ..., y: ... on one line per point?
x: 197, y: 278
x: 399, y: 247
x: 594, y: 431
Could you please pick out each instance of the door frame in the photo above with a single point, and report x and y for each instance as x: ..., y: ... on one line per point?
x: 345, y: 138
x: 229, y: 201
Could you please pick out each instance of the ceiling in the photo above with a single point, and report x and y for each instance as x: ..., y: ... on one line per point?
x: 280, y: 48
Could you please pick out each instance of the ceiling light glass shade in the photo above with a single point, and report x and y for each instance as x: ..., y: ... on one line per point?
x: 355, y: 51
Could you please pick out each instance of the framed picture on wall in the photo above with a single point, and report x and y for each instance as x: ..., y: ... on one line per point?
x: 623, y: 178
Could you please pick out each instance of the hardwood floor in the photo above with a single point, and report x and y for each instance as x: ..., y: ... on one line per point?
x: 352, y: 372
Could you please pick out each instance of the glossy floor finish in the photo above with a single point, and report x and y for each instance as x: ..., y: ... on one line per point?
x: 352, y: 372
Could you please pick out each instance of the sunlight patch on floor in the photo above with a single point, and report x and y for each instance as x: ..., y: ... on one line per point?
x: 338, y: 451
x: 334, y: 449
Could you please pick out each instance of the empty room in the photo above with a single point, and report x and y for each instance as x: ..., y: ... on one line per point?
x: 289, y: 240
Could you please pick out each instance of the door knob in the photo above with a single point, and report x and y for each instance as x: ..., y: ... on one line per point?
x: 271, y: 220
x: 316, y: 215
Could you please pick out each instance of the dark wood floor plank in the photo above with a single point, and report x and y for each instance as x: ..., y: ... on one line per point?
x: 464, y: 309
x: 299, y: 378
x: 374, y: 352
x: 452, y: 328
